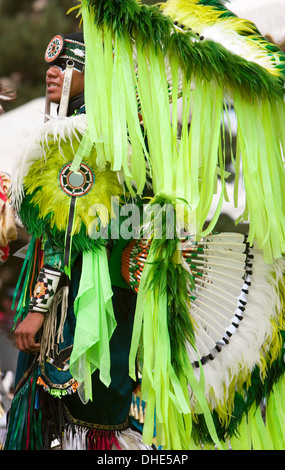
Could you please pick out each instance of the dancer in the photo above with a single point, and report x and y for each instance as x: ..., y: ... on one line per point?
x: 207, y: 337
x: 43, y: 373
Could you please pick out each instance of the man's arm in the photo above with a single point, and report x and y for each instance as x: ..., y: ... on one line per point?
x: 45, y: 288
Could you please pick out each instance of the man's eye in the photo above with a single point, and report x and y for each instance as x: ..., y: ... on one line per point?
x: 61, y: 64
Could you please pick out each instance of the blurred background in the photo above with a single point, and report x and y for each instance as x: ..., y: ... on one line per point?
x: 26, y: 28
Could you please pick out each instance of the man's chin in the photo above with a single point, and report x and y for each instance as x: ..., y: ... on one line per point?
x: 53, y: 97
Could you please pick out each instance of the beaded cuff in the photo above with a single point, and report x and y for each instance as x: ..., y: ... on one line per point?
x: 45, y: 289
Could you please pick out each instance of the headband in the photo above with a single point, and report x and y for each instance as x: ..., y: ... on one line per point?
x: 61, y: 47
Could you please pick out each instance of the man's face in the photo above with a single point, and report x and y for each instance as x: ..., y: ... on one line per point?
x: 54, y: 83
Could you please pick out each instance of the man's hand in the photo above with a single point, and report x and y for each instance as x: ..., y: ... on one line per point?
x: 26, y: 332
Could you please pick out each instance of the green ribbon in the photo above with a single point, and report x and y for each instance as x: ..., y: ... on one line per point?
x: 163, y: 389
x: 261, y: 439
x: 95, y: 323
x: 275, y: 415
x: 84, y: 150
x: 27, y: 265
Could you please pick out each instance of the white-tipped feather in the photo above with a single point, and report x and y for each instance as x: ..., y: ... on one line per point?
x: 242, y: 46
x: 131, y: 440
x: 239, y: 36
x: 242, y: 353
x: 34, y: 148
x: 74, y: 438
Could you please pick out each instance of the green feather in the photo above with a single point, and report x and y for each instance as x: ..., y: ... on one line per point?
x: 253, y: 394
x: 212, y: 60
x: 36, y: 226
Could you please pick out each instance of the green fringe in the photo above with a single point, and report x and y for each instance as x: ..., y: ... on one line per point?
x: 37, y: 416
x: 163, y: 314
x: 24, y: 430
x: 26, y: 281
x: 165, y: 266
x: 217, y: 75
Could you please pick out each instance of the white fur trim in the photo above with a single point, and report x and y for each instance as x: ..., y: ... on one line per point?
x: 54, y: 130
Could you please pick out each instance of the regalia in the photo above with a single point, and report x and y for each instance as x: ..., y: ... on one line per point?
x: 208, y: 336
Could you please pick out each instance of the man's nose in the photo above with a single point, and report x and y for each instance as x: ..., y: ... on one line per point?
x: 52, y: 71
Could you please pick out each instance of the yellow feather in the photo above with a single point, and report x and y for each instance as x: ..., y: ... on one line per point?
x: 42, y: 182
x: 238, y: 35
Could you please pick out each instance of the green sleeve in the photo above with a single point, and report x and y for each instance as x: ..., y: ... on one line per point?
x: 117, y: 279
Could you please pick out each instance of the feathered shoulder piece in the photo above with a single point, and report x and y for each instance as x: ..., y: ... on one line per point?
x: 149, y: 55
x: 43, y: 191
x: 211, y: 20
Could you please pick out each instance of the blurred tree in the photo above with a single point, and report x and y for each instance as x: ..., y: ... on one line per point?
x: 26, y: 28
